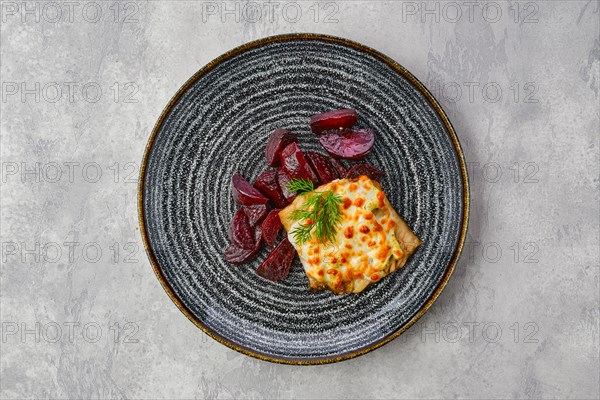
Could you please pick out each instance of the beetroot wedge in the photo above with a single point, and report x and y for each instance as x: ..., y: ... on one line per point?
x: 295, y: 164
x: 238, y: 255
x: 350, y: 144
x: 282, y: 179
x: 344, y: 119
x: 323, y: 166
x: 339, y: 167
x: 278, y: 140
x: 240, y: 231
x: 277, y: 265
x: 271, y: 227
x: 244, y: 193
x: 256, y: 213
x: 365, y: 169
x: 266, y: 183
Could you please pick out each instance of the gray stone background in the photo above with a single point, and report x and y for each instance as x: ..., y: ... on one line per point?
x: 82, y: 313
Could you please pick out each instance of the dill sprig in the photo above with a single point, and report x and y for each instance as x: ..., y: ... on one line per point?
x: 300, y: 186
x: 320, y: 213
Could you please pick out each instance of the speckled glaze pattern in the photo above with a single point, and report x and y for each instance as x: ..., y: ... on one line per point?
x: 218, y: 125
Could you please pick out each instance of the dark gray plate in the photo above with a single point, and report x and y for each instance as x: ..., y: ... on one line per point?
x: 218, y: 124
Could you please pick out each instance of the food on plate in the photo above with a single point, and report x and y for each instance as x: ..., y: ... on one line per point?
x: 337, y: 119
x: 348, y: 249
x: 350, y: 144
x: 241, y: 233
x: 239, y: 255
x: 283, y: 179
x: 345, y: 231
x: 244, y: 193
x: 364, y: 169
x: 324, y: 166
x: 278, y: 140
x: 267, y: 184
x: 271, y: 227
x: 296, y: 165
x: 277, y: 264
x: 256, y: 213
x: 340, y: 168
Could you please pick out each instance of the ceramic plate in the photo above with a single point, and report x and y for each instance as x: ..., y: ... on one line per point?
x: 218, y: 124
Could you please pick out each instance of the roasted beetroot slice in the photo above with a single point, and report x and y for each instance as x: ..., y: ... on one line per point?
x: 271, y: 226
x: 238, y: 255
x: 256, y: 213
x: 350, y: 144
x: 365, y: 169
x: 244, y: 193
x: 339, y: 167
x: 277, y: 264
x: 323, y: 166
x: 295, y: 164
x: 282, y: 179
x: 266, y: 183
x: 345, y: 118
x: 240, y: 231
x: 278, y: 140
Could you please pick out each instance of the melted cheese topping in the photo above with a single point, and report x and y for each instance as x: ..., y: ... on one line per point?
x: 366, y: 247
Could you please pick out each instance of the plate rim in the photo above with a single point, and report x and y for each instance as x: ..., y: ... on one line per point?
x: 406, y: 75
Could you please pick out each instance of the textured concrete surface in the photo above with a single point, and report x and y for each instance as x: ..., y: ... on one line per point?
x: 83, y: 315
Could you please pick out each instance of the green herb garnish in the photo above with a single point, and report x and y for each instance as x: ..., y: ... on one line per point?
x: 301, y: 186
x: 320, y: 212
